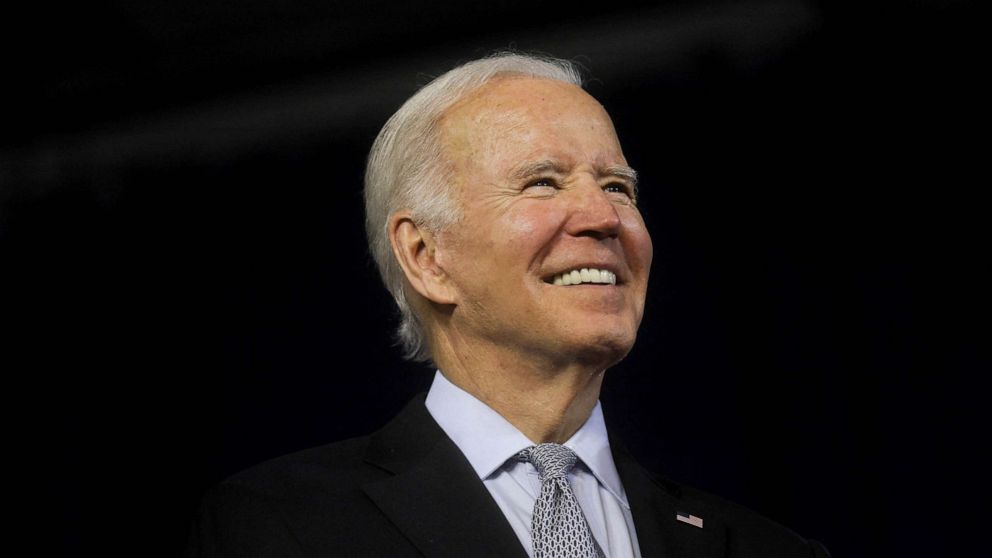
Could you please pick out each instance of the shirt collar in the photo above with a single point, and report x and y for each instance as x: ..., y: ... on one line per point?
x: 488, y: 440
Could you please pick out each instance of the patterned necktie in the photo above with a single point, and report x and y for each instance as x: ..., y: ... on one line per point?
x: 559, y: 529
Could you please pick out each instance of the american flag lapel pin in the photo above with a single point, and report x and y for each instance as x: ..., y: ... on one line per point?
x: 690, y: 519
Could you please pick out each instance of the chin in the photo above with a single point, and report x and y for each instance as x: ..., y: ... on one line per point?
x: 604, y: 351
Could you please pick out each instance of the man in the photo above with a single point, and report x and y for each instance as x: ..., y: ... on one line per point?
x: 503, y: 217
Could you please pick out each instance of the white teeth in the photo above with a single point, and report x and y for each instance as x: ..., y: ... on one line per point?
x: 585, y: 275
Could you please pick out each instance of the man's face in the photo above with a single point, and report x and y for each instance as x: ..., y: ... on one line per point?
x: 545, y: 191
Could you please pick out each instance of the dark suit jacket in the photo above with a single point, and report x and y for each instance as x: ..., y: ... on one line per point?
x: 407, y: 490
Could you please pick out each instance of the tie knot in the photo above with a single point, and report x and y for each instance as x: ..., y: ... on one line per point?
x: 550, y: 460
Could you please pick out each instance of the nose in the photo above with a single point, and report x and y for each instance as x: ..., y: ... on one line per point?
x: 592, y: 213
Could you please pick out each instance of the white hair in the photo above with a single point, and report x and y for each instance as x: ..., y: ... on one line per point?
x: 406, y: 169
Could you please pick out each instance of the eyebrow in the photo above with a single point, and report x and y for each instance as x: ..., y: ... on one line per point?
x: 527, y: 170
x: 547, y: 165
x: 622, y: 171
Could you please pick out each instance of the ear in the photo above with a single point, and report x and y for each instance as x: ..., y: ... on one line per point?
x: 415, y: 249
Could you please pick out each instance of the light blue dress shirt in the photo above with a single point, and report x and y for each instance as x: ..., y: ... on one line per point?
x: 490, y: 443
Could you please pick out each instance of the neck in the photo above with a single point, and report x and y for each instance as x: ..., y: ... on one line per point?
x: 546, y: 401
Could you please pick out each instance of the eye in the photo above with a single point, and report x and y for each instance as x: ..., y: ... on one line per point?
x: 619, y: 188
x: 542, y: 182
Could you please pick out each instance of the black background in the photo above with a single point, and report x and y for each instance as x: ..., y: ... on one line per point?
x: 186, y: 288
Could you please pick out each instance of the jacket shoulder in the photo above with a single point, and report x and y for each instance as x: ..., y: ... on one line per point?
x: 724, y: 528
x: 309, y: 502
x: 332, y: 467
x: 749, y: 533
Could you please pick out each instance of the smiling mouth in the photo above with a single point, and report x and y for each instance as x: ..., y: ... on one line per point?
x: 584, y: 276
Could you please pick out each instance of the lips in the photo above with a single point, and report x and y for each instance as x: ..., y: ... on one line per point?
x: 585, y: 275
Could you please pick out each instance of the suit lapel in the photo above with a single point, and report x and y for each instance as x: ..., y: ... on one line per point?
x: 434, y: 497
x: 654, y: 506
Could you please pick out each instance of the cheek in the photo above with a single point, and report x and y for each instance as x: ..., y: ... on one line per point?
x: 509, y: 241
x: 647, y: 250
x: 638, y: 241
x: 533, y: 224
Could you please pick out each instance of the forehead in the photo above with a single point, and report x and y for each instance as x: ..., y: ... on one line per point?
x: 516, y: 118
